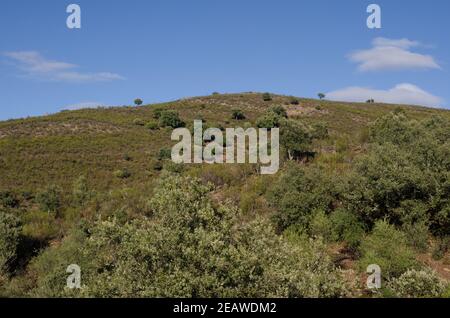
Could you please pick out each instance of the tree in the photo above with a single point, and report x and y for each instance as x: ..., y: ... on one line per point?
x: 170, y: 118
x: 321, y: 95
x: 138, y: 102
x: 295, y: 138
x: 238, y: 114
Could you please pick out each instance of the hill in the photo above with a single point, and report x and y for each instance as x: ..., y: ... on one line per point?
x: 360, y: 184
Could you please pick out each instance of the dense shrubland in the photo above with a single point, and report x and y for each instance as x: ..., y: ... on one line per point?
x: 379, y: 196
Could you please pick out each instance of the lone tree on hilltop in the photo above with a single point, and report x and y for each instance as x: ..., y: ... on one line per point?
x: 321, y: 95
x: 138, y: 102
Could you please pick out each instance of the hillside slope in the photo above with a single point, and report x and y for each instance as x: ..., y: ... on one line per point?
x: 58, y: 148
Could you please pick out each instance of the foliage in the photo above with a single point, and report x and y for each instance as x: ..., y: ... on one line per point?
x: 267, y: 97
x: 122, y: 173
x: 279, y: 110
x: 152, y: 125
x: 50, y: 199
x: 297, y: 194
x: 347, y: 228
x: 190, y: 249
x: 387, y: 247
x: 295, y: 138
x: 10, y: 230
x: 8, y: 199
x: 169, y: 118
x: 138, y: 102
x: 237, y: 114
x: 81, y: 193
x: 269, y: 120
x: 418, y: 284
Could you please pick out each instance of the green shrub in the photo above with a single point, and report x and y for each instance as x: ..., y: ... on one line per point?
x: 10, y: 230
x: 269, y: 120
x: 417, y: 235
x: 267, y: 97
x: 173, y: 167
x: 319, y: 130
x: 418, y: 284
x: 279, y: 110
x: 152, y: 125
x: 122, y: 174
x: 295, y: 139
x: 138, y: 122
x: 321, y: 226
x: 297, y: 194
x: 81, y: 193
x: 441, y: 247
x: 170, y: 118
x: 165, y: 153
x: 50, y: 199
x: 138, y: 102
x: 387, y: 247
x: 157, y: 113
x: 347, y: 228
x: 8, y: 200
x: 237, y: 114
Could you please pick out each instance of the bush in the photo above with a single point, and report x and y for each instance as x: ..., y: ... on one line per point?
x: 416, y: 235
x: 269, y: 120
x: 441, y: 248
x: 295, y: 138
x: 237, y: 114
x: 279, y: 110
x: 152, y: 125
x: 138, y: 122
x: 170, y: 118
x: 267, y: 97
x: 294, y: 101
x: 8, y: 200
x: 190, y: 248
x: 418, y: 284
x: 81, y: 193
x: 387, y: 247
x: 50, y: 199
x: 347, y: 228
x: 319, y: 130
x: 10, y: 231
x: 122, y: 174
x: 157, y: 113
x: 138, y: 102
x: 297, y: 194
x: 165, y: 153
x: 321, y: 226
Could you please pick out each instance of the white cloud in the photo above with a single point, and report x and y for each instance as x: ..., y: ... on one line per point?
x: 84, y: 105
x: 34, y: 65
x: 400, y: 94
x: 391, y: 54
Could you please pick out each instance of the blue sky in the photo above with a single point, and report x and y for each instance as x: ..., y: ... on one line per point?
x: 161, y: 50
